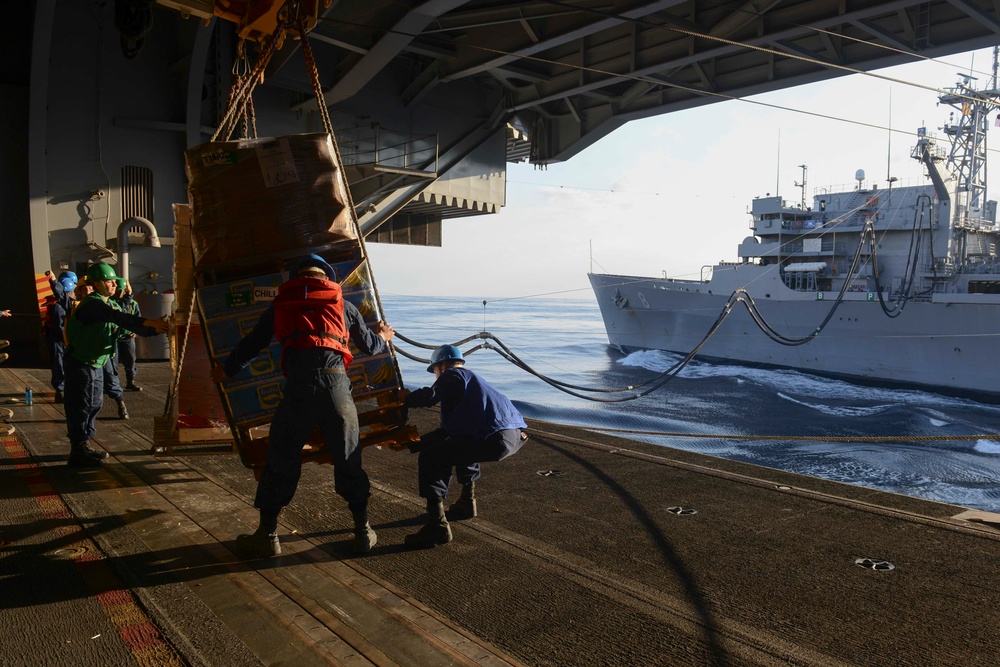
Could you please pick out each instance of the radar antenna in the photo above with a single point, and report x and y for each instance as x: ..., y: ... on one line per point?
x: 968, y: 136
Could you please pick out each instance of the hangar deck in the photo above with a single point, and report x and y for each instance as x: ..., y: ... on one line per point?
x: 576, y: 559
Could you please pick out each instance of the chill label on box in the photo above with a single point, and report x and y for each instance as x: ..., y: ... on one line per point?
x: 265, y: 293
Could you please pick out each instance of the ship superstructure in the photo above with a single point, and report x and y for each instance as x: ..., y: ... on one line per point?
x: 897, y: 285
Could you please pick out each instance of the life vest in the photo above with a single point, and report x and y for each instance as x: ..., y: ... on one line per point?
x: 309, y: 312
x: 90, y: 344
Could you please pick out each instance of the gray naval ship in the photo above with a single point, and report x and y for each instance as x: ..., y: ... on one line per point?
x: 890, y: 286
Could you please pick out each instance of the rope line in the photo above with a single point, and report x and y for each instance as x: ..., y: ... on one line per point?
x: 824, y: 438
x: 509, y: 356
x: 740, y: 296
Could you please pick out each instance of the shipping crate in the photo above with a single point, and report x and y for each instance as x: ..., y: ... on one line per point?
x: 256, y: 208
x: 263, y: 196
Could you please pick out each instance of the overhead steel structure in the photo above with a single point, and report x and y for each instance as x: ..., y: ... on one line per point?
x: 573, y: 71
x: 429, y: 99
x: 567, y: 73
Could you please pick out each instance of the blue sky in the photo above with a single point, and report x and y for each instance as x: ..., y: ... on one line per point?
x: 671, y: 193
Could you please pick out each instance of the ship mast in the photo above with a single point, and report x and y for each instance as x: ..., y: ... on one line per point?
x: 967, y: 159
x: 802, y: 185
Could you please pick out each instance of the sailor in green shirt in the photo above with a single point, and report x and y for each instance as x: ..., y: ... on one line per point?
x: 92, y: 332
x: 126, y: 342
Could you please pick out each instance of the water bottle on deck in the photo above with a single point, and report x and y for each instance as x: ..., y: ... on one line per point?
x: 27, y: 396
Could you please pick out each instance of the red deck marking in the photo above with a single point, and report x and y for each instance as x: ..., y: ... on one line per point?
x: 133, y: 625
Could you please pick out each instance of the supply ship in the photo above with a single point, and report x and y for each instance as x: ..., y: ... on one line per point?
x: 896, y: 286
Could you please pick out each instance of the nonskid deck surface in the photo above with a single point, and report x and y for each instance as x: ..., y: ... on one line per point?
x: 585, y: 552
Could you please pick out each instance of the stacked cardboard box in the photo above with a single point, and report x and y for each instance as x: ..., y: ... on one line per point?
x: 265, y: 196
x: 183, y: 263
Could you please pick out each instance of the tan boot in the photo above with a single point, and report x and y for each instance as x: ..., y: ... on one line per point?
x: 364, y: 537
x: 435, y: 531
x: 465, y: 506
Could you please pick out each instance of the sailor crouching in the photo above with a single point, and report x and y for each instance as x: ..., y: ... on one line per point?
x: 478, y: 424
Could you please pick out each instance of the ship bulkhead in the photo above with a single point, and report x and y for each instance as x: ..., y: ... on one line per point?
x: 942, y: 344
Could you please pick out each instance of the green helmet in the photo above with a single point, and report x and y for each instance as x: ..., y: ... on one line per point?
x: 101, y: 271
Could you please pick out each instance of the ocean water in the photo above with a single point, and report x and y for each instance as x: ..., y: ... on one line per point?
x: 564, y: 339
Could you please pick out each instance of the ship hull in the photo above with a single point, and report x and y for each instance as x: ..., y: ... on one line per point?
x: 946, y: 345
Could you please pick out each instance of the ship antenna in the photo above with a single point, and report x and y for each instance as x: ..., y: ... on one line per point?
x: 802, y: 185
x: 888, y: 147
x: 777, y: 169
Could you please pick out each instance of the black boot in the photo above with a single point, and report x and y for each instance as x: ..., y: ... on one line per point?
x: 260, y: 544
x: 435, y: 531
x: 465, y: 506
x: 81, y: 455
x: 60, y: 396
x: 122, y: 410
x: 263, y: 542
x: 364, y: 537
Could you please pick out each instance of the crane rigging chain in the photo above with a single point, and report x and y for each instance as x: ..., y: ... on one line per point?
x: 241, y: 71
x: 307, y: 54
x: 244, y: 89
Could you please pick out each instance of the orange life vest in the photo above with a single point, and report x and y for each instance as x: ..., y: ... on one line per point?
x: 309, y: 312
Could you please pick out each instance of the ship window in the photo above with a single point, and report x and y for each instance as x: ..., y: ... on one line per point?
x: 984, y: 287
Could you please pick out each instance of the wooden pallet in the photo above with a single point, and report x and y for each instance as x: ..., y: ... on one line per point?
x: 172, y: 441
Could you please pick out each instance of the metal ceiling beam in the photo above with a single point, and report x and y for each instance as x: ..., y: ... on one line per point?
x: 564, y: 38
x: 388, y: 47
x: 882, y: 35
x: 563, y: 85
x: 977, y: 14
x: 748, y: 13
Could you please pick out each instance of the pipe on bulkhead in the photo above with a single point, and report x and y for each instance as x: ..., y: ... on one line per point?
x: 152, y: 240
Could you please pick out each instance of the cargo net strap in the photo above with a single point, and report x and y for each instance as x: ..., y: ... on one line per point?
x: 172, y: 393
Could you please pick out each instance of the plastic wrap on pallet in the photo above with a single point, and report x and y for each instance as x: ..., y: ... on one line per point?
x: 231, y: 310
x: 264, y: 196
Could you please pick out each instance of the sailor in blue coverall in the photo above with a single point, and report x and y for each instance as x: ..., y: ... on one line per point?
x: 312, y: 321
x: 59, y: 305
x: 478, y: 424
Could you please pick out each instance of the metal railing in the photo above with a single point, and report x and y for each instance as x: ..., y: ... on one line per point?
x: 378, y: 146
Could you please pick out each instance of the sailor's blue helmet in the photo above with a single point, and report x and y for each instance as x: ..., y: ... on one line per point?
x: 316, y: 262
x: 444, y: 353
